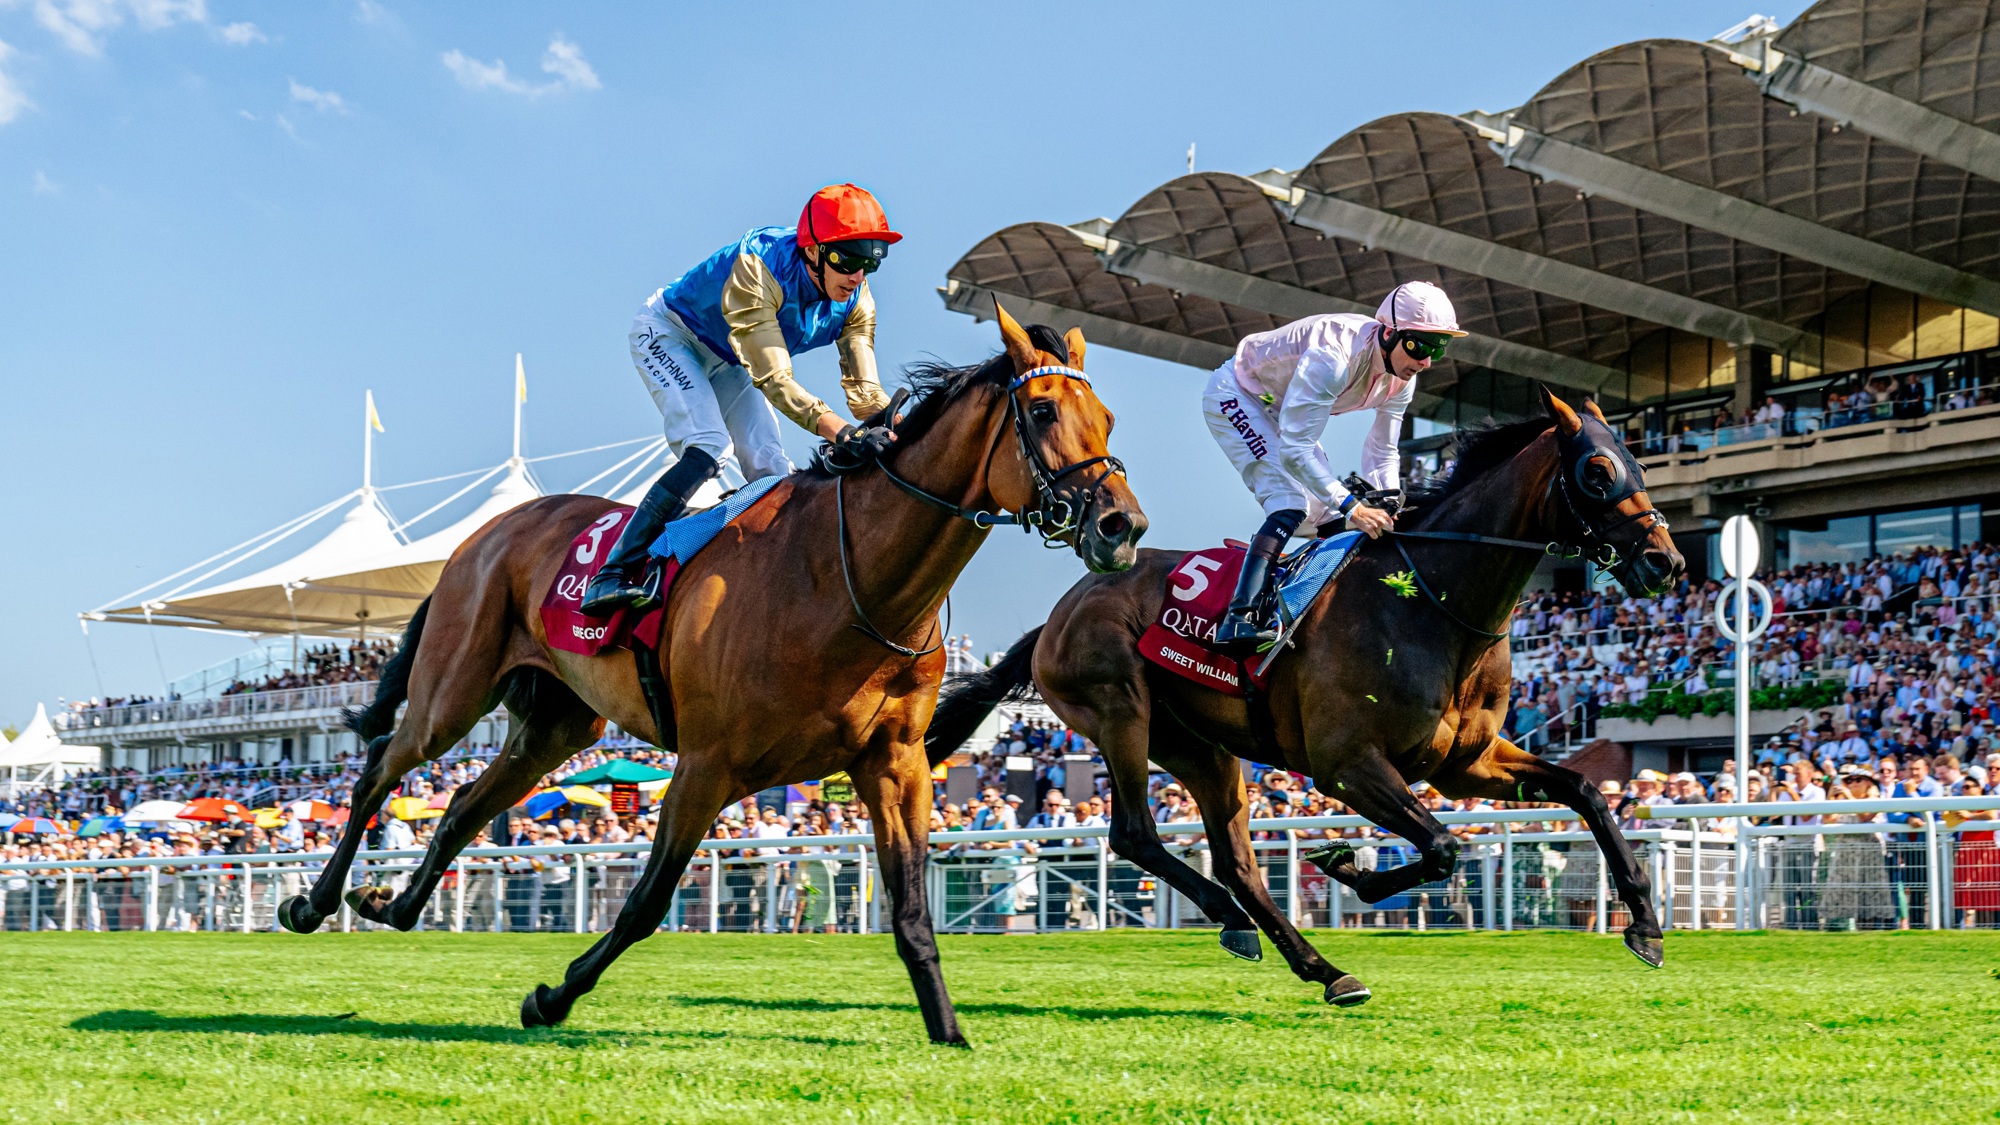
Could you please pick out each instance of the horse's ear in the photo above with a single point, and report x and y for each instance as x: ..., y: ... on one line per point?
x: 1015, y: 339
x: 1566, y: 418
x: 1590, y: 404
x: 1074, y: 338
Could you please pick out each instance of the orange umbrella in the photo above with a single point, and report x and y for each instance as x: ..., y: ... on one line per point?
x: 212, y: 808
x: 310, y: 810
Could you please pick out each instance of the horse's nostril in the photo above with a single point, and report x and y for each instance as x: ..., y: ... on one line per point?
x: 1113, y: 525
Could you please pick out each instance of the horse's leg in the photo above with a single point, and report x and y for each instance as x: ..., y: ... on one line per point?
x: 544, y: 735
x: 699, y: 791
x: 898, y: 793
x: 1374, y: 788
x: 1123, y: 740
x: 1505, y: 772
x: 1216, y: 780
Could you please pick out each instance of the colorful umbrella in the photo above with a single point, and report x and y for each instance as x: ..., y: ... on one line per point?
x: 268, y: 818
x: 211, y: 808
x: 585, y: 795
x: 99, y: 825
x: 310, y: 810
x: 543, y: 804
x: 152, y: 812
x: 338, y: 818
x: 7, y: 820
x: 621, y: 770
x: 36, y: 826
x: 442, y: 801
x: 412, y: 808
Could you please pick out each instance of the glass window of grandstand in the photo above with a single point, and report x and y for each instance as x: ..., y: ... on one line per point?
x: 1852, y: 539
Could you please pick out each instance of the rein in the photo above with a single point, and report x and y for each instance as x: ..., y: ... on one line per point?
x: 1603, y: 552
x: 1053, y: 515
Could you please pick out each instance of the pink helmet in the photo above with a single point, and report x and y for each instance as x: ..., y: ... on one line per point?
x: 1418, y: 306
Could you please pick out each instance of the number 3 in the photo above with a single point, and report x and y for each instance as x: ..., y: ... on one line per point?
x: 1195, y: 570
x: 588, y: 551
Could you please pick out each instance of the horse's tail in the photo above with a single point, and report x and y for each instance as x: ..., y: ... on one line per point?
x: 973, y: 696
x: 379, y: 718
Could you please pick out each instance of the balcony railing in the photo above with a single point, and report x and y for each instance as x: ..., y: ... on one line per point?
x: 242, y: 706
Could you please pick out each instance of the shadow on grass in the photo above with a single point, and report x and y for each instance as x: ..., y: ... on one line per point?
x: 253, y: 1023
x: 806, y: 1004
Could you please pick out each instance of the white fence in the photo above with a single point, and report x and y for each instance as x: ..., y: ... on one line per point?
x: 1532, y: 868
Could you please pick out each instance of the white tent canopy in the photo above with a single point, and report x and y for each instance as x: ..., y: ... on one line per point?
x: 37, y: 749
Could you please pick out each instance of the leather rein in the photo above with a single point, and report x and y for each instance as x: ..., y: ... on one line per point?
x: 1054, y: 515
x: 1595, y: 546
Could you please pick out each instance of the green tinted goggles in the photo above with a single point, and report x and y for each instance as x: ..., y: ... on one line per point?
x: 1424, y: 345
x: 854, y: 256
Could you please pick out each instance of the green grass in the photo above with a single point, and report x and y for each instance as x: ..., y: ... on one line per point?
x: 1129, y: 1026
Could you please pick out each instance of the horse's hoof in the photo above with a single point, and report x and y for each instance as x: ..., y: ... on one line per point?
x: 297, y: 915
x: 1347, y: 992
x: 1328, y: 857
x: 1244, y: 944
x: 538, y: 1008
x: 957, y: 1041
x: 372, y: 904
x: 1651, y: 950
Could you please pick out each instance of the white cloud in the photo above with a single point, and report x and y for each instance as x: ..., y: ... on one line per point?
x: 242, y: 34
x: 326, y: 101
x: 368, y: 11
x: 564, y: 60
x: 286, y: 124
x: 82, y: 24
x: 247, y: 115
x: 44, y: 185
x: 12, y: 99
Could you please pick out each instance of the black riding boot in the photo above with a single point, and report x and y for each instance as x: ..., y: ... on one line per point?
x: 1238, y: 632
x: 620, y: 584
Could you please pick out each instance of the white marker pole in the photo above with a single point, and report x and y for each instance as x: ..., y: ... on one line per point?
x: 1741, y: 552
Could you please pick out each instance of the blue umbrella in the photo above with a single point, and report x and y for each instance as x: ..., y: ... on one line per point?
x: 7, y: 821
x: 99, y: 825
x: 545, y: 802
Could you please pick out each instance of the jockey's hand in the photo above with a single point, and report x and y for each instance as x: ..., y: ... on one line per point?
x: 1374, y: 521
x: 865, y: 441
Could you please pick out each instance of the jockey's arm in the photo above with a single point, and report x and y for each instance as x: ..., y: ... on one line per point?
x: 865, y: 397
x: 750, y: 302
x: 1302, y: 419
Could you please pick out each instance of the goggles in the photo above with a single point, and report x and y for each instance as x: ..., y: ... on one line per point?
x: 857, y: 255
x: 1424, y: 345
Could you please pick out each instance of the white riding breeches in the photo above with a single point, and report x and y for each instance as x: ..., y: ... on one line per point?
x: 1247, y: 431
x: 706, y: 403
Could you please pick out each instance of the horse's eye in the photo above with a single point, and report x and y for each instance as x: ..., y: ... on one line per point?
x: 1043, y: 413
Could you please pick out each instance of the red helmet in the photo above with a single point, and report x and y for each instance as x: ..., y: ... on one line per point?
x: 841, y: 212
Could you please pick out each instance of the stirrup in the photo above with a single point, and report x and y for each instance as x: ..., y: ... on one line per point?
x: 638, y: 597
x: 1238, y: 635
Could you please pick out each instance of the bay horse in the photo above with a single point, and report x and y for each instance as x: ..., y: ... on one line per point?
x: 1380, y: 691
x: 802, y: 641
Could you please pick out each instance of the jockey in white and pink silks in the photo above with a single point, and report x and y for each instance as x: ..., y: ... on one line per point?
x: 1268, y: 405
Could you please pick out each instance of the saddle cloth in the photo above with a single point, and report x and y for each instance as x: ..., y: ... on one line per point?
x: 1198, y: 591
x: 563, y: 619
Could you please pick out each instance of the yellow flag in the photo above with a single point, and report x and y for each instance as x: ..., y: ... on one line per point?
x: 374, y: 419
x: 520, y: 379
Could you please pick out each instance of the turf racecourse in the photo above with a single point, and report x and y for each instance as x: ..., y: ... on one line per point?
x: 1131, y: 1026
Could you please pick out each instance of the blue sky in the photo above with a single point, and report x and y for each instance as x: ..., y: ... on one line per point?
x: 220, y: 222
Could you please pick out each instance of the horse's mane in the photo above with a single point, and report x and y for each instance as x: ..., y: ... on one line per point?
x: 1475, y: 453
x: 935, y: 385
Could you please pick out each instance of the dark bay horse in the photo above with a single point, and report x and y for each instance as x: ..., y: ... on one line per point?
x: 1382, y: 690
x: 802, y: 641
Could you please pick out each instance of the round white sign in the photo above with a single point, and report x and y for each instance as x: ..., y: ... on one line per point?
x: 1740, y: 547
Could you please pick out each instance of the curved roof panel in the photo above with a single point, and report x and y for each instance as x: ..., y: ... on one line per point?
x: 1941, y: 54
x: 1690, y: 111
x: 1440, y: 170
x: 1233, y: 222
x: 1050, y: 263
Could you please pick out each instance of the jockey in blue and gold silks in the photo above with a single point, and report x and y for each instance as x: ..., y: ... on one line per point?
x: 728, y: 328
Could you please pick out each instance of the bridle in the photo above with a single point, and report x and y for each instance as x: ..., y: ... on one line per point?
x: 1056, y: 512
x: 1592, y: 542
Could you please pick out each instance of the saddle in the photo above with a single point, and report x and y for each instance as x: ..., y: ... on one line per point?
x: 1182, y: 639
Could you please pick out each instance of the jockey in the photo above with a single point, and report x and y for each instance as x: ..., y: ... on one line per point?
x: 733, y: 323
x: 1269, y: 404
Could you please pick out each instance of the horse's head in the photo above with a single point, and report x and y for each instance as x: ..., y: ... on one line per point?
x: 1604, y: 487
x: 1061, y: 465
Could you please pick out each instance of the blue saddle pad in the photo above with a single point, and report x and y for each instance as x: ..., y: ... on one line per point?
x: 1308, y: 572
x: 684, y: 537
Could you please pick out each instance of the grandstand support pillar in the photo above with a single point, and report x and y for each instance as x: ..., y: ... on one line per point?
x: 1103, y: 884
x: 1507, y: 876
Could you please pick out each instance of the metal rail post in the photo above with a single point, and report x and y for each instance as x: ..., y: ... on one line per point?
x: 1694, y: 867
x: 69, y: 900
x: 1603, y: 896
x: 249, y: 885
x: 458, y: 896
x: 1292, y: 897
x: 152, y: 898
x: 1103, y: 883
x: 715, y: 891
x: 582, y: 894
x: 1934, y: 884
x: 1507, y: 875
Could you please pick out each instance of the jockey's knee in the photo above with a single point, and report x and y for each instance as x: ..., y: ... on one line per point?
x: 715, y: 443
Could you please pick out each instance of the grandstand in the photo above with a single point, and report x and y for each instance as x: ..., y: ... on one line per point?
x: 1772, y: 257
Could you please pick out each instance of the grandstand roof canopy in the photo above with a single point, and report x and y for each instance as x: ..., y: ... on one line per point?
x: 1730, y: 190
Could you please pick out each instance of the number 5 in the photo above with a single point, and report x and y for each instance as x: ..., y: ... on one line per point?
x: 1195, y: 570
